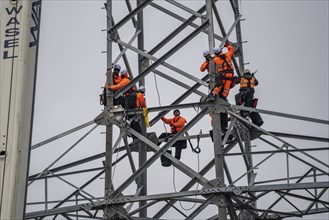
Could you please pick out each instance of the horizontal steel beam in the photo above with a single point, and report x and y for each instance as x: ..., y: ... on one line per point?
x: 167, y: 196
x: 62, y: 135
x: 280, y: 114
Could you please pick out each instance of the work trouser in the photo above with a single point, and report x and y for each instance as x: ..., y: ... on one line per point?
x: 177, y: 145
x: 135, y: 124
x: 246, y: 97
x: 223, y: 87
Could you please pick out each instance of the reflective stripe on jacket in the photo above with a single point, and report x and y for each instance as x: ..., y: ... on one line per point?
x: 246, y: 83
x: 221, y: 65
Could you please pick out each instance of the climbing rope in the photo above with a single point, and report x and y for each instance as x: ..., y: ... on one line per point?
x: 196, y: 150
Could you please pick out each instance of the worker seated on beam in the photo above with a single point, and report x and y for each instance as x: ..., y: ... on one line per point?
x: 116, y: 80
x: 176, y: 123
x: 136, y: 100
x: 246, y: 96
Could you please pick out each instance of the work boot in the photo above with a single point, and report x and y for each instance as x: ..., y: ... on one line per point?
x: 165, y: 162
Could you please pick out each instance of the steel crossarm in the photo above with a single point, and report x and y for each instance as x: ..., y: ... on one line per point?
x: 275, y: 137
x: 310, y: 212
x: 45, y: 171
x: 165, y: 196
x: 294, y: 156
x: 62, y: 134
x: 280, y: 114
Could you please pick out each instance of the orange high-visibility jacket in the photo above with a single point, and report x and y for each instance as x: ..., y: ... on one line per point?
x: 204, y: 66
x: 122, y: 84
x: 116, y: 79
x: 177, y: 123
x: 140, y: 100
x: 221, y: 64
x: 248, y: 83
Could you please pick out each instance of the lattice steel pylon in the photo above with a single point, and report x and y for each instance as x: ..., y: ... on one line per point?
x: 221, y: 195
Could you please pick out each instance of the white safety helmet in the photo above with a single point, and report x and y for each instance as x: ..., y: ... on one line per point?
x: 206, y: 53
x: 124, y: 73
x: 247, y: 71
x: 216, y: 50
x: 142, y: 89
x: 117, y: 66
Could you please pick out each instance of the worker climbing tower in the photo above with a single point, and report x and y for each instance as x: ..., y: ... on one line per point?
x: 222, y: 188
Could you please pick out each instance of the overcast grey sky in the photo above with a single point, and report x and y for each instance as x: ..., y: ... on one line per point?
x: 287, y: 43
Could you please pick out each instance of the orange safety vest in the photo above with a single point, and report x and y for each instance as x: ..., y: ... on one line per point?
x: 224, y: 61
x: 247, y: 83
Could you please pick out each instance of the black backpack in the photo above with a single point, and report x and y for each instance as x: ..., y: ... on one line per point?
x: 130, y: 102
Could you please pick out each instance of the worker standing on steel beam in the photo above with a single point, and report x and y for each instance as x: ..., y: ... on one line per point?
x: 136, y: 100
x: 246, y: 96
x: 225, y: 72
x: 176, y: 123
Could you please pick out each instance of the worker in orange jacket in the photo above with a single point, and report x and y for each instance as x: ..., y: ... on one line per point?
x: 176, y: 123
x: 116, y: 74
x: 205, y: 65
x: 125, y: 79
x: 135, y: 100
x: 140, y: 99
x: 246, y: 96
x: 116, y: 80
x: 225, y: 71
